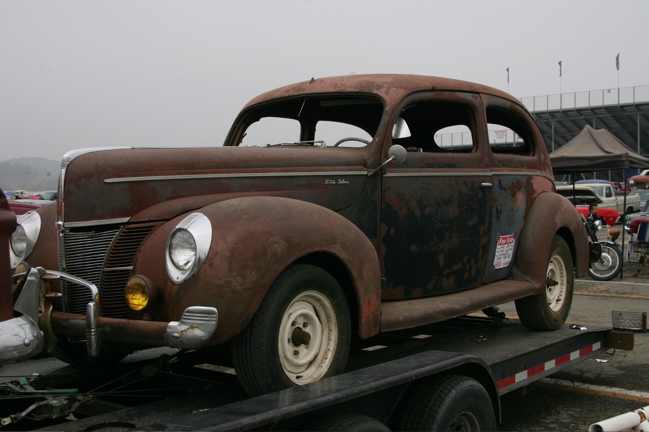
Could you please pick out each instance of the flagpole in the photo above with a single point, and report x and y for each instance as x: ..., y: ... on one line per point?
x: 617, y: 66
x: 560, y: 85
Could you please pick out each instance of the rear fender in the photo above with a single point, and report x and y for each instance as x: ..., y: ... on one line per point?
x: 551, y: 215
x: 253, y: 240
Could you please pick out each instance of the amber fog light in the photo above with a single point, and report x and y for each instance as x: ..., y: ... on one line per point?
x: 139, y: 292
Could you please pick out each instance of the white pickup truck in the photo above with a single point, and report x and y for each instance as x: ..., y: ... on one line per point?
x: 606, y: 194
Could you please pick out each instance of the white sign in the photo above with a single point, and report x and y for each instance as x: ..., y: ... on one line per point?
x: 504, y: 251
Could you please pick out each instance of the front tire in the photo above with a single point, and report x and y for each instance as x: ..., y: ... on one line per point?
x: 300, y: 333
x: 549, y: 309
x: 609, y: 264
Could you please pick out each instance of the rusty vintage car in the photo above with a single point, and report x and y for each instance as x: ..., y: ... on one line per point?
x: 337, y: 208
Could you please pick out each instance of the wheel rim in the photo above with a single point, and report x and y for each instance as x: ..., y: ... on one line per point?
x: 556, y: 283
x: 465, y: 421
x: 308, y: 337
x: 607, y: 264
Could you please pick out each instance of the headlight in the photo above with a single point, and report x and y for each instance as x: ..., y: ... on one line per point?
x: 182, y: 249
x: 24, y: 238
x: 187, y: 247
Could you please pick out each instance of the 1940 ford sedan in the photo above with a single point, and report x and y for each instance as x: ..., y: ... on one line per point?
x: 337, y: 208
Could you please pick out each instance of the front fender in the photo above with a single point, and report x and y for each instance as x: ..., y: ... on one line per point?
x: 254, y: 240
x: 551, y: 215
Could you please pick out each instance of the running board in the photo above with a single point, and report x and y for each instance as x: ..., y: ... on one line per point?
x: 403, y: 314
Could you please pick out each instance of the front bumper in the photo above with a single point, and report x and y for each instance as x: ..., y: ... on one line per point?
x: 195, y: 328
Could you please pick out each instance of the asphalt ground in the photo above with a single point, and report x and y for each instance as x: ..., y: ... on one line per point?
x: 596, y: 389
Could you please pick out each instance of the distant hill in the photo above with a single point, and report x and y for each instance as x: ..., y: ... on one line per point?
x: 29, y: 173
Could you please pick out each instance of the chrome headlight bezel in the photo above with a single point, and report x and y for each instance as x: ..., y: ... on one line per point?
x: 197, y: 231
x: 23, y: 239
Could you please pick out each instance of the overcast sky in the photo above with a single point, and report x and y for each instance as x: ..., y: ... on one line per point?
x: 77, y: 74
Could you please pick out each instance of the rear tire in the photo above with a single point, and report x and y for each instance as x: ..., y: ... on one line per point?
x: 549, y: 309
x: 448, y: 403
x: 299, y: 334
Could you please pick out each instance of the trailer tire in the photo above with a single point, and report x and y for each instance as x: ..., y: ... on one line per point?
x: 299, y: 334
x: 448, y: 402
x: 348, y: 422
x: 549, y: 309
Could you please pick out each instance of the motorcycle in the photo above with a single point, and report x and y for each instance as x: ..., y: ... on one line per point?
x: 609, y: 263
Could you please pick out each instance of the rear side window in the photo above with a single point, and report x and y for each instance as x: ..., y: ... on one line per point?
x: 435, y: 126
x: 508, y: 131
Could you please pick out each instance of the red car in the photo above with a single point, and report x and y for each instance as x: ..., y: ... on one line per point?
x: 611, y: 215
x: 21, y: 207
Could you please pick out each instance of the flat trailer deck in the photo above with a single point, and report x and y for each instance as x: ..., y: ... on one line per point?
x: 500, y: 355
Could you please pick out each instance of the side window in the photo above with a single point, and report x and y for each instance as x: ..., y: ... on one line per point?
x: 435, y: 126
x: 508, y: 131
x: 271, y: 130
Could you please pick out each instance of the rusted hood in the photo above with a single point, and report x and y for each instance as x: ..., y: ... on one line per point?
x: 123, y: 183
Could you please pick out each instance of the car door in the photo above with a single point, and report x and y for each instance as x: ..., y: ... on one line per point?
x: 437, y: 207
x: 519, y: 177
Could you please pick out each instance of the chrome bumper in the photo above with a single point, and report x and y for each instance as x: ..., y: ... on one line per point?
x: 195, y: 328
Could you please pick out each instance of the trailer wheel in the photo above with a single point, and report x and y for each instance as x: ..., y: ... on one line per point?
x: 299, y: 334
x: 348, y: 422
x: 549, y: 309
x: 448, y: 403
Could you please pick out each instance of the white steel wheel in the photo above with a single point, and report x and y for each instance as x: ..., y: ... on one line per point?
x: 549, y: 309
x: 308, y: 337
x: 299, y: 334
x: 556, y: 285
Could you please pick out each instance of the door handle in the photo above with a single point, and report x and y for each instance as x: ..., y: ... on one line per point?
x: 487, y: 185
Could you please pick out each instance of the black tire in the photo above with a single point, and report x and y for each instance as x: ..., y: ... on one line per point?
x: 609, y: 264
x: 347, y: 422
x: 549, y: 309
x: 448, y: 403
x: 299, y: 334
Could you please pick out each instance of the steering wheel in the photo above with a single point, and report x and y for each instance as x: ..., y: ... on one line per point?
x: 364, y: 141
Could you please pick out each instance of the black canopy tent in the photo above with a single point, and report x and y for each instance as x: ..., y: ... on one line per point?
x: 596, y: 150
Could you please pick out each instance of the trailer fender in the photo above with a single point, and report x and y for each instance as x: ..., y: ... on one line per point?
x: 253, y: 240
x: 551, y: 215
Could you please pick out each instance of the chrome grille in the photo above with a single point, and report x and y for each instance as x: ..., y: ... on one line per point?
x: 82, y: 253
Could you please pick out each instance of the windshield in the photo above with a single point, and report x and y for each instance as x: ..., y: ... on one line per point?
x: 320, y: 121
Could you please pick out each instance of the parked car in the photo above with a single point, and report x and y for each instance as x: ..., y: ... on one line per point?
x: 639, y: 182
x: 606, y: 196
x: 20, y: 336
x: 643, y: 213
x: 22, y: 206
x: 337, y: 208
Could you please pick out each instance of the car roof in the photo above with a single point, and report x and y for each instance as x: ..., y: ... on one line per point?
x: 390, y: 87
